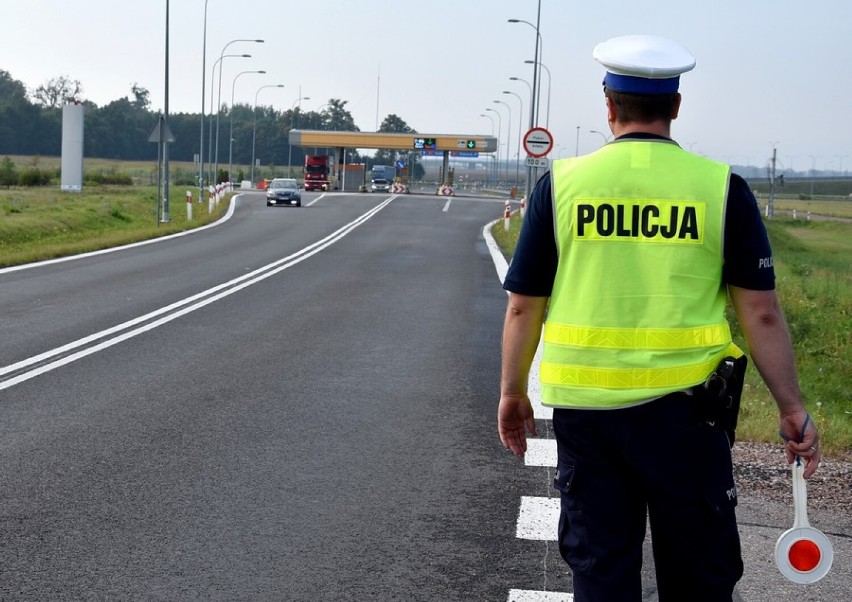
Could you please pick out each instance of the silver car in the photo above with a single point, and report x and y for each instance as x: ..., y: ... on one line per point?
x: 283, y: 191
x: 380, y: 185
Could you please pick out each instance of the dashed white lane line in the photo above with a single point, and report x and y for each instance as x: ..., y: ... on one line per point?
x: 525, y: 595
x: 538, y: 518
x: 541, y: 452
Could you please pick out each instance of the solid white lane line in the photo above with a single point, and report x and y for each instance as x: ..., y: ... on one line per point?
x: 206, y: 297
x: 538, y: 518
x: 500, y: 263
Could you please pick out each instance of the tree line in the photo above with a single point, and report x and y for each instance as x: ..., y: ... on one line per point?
x: 31, y: 124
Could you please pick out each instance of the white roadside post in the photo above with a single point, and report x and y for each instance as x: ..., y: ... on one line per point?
x: 507, y: 215
x: 189, y: 205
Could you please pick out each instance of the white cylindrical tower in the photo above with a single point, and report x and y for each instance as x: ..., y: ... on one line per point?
x: 72, y: 147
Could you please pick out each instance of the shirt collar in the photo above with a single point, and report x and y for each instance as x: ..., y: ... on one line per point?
x: 643, y: 136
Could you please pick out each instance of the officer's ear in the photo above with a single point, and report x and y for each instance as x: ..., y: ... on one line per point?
x: 676, y: 106
x: 610, y: 110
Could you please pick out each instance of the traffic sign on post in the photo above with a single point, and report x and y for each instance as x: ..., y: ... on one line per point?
x: 538, y: 142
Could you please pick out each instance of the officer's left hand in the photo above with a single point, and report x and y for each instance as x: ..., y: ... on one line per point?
x: 790, y: 428
x: 514, y: 418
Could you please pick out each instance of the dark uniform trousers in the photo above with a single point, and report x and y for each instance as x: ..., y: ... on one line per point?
x: 655, y: 461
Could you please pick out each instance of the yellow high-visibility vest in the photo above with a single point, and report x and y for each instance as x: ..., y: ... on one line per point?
x: 638, y: 304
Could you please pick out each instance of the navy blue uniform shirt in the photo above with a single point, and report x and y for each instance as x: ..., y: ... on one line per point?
x: 747, y: 254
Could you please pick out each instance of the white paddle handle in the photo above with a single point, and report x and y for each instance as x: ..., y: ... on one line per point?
x: 800, y: 496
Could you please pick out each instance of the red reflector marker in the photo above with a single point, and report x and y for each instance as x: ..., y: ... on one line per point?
x: 804, y: 555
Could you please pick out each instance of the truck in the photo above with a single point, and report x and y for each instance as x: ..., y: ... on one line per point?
x: 316, y: 172
x: 383, y: 172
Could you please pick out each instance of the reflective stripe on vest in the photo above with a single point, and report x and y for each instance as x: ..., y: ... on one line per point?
x: 633, y: 379
x: 634, y: 338
x: 638, y: 306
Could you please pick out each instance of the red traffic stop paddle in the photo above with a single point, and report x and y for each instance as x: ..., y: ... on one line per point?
x: 803, y: 554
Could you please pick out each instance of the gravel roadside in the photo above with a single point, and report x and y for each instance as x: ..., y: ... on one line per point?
x: 761, y: 471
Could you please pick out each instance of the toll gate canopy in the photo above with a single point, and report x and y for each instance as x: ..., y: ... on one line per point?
x: 409, y: 142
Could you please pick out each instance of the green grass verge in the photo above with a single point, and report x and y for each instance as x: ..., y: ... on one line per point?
x: 44, y: 223
x: 814, y: 283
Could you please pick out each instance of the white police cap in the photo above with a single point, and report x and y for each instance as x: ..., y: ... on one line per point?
x: 643, y: 64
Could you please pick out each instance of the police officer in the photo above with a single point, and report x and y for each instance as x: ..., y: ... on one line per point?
x: 631, y: 253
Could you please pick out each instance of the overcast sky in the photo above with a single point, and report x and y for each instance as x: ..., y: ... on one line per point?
x: 769, y: 72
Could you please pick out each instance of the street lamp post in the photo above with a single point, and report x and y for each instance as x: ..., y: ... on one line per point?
x: 321, y: 124
x: 520, y: 79
x: 231, y: 120
x: 520, y: 126
x: 164, y: 141
x: 499, y: 131
x: 536, y: 83
x: 547, y: 117
x: 203, y: 86
x: 532, y: 99
x: 219, y: 97
x: 491, y: 119
x: 212, y: 176
x: 601, y: 134
x: 508, y: 129
x: 254, y: 127
x: 319, y: 111
x: 290, y: 146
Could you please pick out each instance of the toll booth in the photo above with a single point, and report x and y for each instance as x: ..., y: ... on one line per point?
x: 352, y: 177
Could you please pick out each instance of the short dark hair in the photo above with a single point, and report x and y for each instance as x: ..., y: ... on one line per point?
x: 642, y: 108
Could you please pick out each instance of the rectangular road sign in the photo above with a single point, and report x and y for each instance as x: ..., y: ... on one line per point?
x: 536, y: 162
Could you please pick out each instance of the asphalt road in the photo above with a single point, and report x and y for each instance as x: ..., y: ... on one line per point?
x: 297, y: 404
x: 326, y: 432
